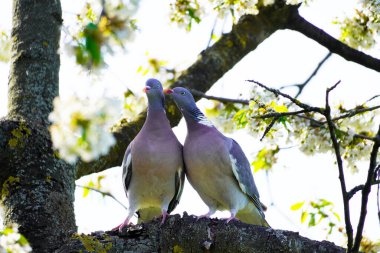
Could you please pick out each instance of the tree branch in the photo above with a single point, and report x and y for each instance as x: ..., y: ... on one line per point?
x: 295, y: 101
x: 354, y: 112
x: 357, y: 188
x: 301, y: 86
x: 279, y: 114
x: 197, y: 93
x: 211, y: 65
x: 205, y: 235
x: 298, y: 23
x: 342, y: 181
x: 366, y: 190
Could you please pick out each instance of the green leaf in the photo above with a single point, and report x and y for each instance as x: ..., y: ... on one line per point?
x: 312, y: 220
x: 336, y: 215
x: 297, y: 206
x: 86, y: 191
x: 93, y: 42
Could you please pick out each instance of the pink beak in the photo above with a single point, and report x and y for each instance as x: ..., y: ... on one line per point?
x: 146, y: 89
x: 168, y: 91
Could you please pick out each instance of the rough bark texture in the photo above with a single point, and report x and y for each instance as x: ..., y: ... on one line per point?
x: 37, y: 189
x: 189, y: 235
x: 211, y: 65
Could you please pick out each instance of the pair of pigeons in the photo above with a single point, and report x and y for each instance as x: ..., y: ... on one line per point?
x: 155, y: 164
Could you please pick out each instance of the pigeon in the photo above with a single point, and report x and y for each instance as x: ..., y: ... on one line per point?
x: 153, y: 167
x: 216, y: 166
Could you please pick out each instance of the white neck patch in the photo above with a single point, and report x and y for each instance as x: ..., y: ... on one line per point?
x: 204, y: 121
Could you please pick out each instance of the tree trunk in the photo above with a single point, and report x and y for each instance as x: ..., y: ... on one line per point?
x: 37, y: 188
x: 186, y: 234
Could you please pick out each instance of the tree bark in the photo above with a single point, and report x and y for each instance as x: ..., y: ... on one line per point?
x: 189, y: 235
x: 37, y: 189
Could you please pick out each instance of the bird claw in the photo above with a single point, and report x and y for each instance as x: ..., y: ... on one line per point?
x: 231, y: 218
x: 121, y: 226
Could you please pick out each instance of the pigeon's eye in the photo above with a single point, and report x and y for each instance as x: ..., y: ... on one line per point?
x: 183, y: 93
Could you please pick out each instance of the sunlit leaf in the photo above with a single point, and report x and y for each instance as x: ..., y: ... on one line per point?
x: 312, y: 220
x: 304, y: 215
x: 297, y: 206
x: 336, y: 215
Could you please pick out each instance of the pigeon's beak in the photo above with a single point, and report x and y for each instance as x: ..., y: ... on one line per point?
x: 146, y: 89
x: 168, y: 91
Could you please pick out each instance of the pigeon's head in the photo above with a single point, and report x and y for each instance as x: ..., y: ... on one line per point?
x: 182, y: 97
x: 154, y: 91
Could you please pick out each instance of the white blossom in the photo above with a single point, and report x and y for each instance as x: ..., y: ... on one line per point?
x: 12, y: 241
x: 80, y: 127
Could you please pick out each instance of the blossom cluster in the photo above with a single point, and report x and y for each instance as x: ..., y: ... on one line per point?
x: 80, y: 127
x: 5, y: 47
x: 97, y: 27
x: 308, y: 131
x: 363, y: 28
x: 185, y: 12
x: 12, y: 241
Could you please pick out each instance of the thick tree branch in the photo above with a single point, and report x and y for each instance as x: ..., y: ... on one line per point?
x: 298, y: 23
x: 211, y: 65
x: 206, y: 235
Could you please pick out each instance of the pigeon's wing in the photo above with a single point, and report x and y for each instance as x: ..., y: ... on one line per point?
x: 243, y: 174
x: 127, y: 168
x: 179, y: 183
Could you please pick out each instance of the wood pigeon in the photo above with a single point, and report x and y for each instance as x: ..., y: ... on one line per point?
x: 216, y: 166
x: 153, y: 167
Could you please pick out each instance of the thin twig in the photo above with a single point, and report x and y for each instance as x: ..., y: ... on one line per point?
x: 365, y: 137
x: 269, y: 127
x: 212, y: 32
x: 366, y: 190
x: 295, y: 101
x: 301, y: 86
x: 103, y: 193
x: 221, y: 99
x: 279, y: 114
x: 342, y: 181
x: 354, y: 112
x: 357, y: 188
x: 372, y: 98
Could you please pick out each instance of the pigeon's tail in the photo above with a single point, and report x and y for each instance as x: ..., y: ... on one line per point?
x: 251, y: 215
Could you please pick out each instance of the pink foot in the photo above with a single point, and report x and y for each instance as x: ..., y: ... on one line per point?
x: 120, y: 227
x: 116, y: 228
x: 164, y: 215
x: 231, y: 218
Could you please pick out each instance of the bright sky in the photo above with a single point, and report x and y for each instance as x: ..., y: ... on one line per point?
x: 285, y: 58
